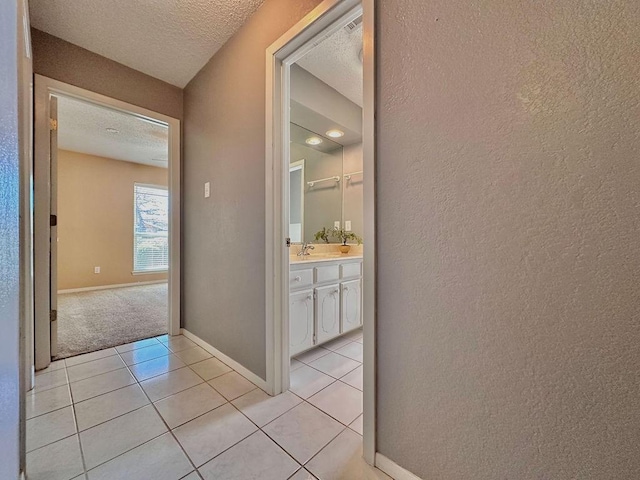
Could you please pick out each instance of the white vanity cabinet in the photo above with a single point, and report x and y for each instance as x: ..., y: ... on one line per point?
x: 325, y: 301
x: 301, y: 331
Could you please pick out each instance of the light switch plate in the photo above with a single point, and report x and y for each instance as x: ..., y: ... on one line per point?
x: 336, y: 224
x: 347, y: 225
x: 96, y: 269
x: 207, y: 189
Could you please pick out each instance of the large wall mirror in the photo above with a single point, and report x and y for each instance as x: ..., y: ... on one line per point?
x: 325, y: 170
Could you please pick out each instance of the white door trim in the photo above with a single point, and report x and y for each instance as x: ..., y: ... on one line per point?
x: 44, y: 87
x: 286, y: 50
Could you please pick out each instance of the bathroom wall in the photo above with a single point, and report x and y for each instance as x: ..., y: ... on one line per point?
x: 508, y: 201
x: 63, y: 61
x: 223, y: 236
x: 352, y: 188
x: 95, y: 219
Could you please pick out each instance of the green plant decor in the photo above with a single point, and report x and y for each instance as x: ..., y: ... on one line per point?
x: 323, y: 235
x: 337, y: 233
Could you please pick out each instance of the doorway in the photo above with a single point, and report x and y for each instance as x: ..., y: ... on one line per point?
x: 106, y: 222
x: 326, y: 292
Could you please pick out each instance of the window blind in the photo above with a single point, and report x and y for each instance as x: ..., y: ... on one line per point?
x: 151, y: 228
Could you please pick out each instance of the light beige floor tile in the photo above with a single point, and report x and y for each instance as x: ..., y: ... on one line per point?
x: 104, y: 383
x: 160, y: 459
x: 93, y: 368
x: 157, y: 366
x: 108, y: 440
x: 210, y: 434
x: 144, y: 354
x: 53, y: 366
x: 262, y: 408
x: 210, y: 369
x: 89, y: 357
x: 49, y: 380
x: 110, y: 405
x: 255, y: 457
x: 169, y: 383
x: 359, y: 340
x: 38, y: 403
x: 189, y: 404
x: 232, y: 385
x: 295, y: 364
x: 354, y: 335
x: 352, y: 350
x: 147, y: 342
x: 356, y: 425
x: 306, y: 381
x: 61, y: 460
x: 341, y: 401
x: 192, y: 476
x: 354, y: 378
x: 342, y: 460
x: 302, y: 474
x: 193, y: 355
x: 50, y: 427
x: 334, y: 345
x: 303, y: 431
x: 312, y: 355
x: 179, y: 342
x: 334, y: 365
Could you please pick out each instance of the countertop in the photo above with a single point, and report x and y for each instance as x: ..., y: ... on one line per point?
x: 323, y: 257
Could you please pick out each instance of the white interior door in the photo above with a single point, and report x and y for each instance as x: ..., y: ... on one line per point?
x: 53, y: 262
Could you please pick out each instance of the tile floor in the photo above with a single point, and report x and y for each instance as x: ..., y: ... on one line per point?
x: 165, y: 409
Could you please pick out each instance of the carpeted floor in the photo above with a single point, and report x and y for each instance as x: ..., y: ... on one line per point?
x: 89, y: 321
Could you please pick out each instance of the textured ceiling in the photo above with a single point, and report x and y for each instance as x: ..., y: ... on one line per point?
x: 336, y: 61
x: 82, y: 127
x: 167, y: 39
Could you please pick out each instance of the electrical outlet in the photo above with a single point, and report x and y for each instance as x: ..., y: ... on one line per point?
x: 336, y: 224
x: 347, y: 225
x: 96, y: 269
x: 207, y: 190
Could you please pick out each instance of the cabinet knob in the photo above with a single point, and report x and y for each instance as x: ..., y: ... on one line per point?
x: 309, y: 297
x: 346, y: 289
x: 336, y: 291
x: 297, y: 279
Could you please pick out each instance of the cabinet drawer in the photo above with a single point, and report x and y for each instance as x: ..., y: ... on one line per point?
x: 327, y: 273
x: 300, y: 278
x: 348, y: 270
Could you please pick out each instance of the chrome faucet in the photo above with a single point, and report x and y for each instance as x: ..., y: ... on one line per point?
x: 306, y: 246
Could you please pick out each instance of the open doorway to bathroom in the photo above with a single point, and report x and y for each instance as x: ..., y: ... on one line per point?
x: 321, y: 146
x: 106, y: 182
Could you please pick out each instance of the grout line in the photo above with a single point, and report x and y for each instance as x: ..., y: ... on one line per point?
x: 75, y: 419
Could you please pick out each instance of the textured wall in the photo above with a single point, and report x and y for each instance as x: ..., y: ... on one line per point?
x: 63, y: 61
x: 95, y: 219
x: 224, y: 134
x: 508, y: 246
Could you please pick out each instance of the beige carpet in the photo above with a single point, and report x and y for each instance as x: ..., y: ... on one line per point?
x: 89, y: 321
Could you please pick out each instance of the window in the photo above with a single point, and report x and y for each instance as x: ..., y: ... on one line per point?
x: 150, y: 228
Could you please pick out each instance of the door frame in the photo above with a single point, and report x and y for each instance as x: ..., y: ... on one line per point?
x: 44, y: 87
x: 283, y: 52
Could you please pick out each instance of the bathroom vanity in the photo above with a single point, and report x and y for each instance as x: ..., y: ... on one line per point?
x: 325, y: 299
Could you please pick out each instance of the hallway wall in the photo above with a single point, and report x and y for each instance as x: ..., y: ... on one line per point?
x: 223, y: 236
x: 66, y: 62
x: 509, y: 292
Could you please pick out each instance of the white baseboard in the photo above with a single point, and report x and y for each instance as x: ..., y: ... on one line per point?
x: 245, y: 372
x: 392, y: 469
x: 107, y: 287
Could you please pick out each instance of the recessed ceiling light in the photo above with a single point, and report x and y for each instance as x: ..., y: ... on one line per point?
x: 314, y: 141
x: 335, y: 133
x: 112, y: 130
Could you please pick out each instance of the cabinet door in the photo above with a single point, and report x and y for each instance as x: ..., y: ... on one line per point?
x: 351, y: 314
x: 300, y: 321
x: 327, y: 313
